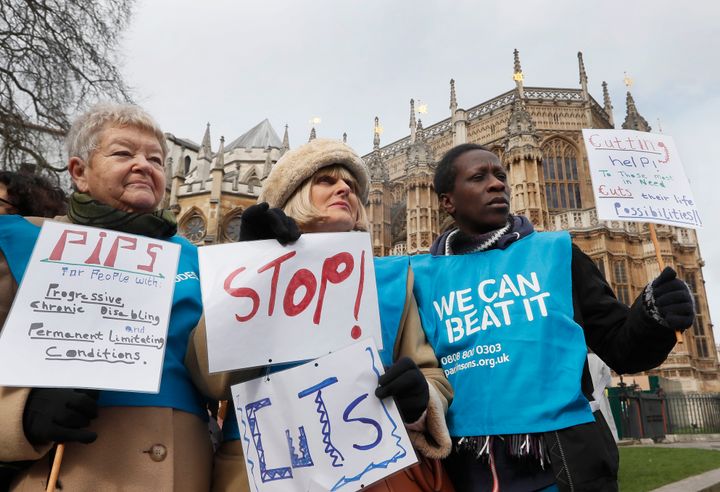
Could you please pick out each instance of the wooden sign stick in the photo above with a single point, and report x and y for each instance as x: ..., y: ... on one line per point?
x: 661, y: 264
x: 55, y: 471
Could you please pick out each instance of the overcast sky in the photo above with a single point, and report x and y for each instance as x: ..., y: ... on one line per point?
x: 233, y: 63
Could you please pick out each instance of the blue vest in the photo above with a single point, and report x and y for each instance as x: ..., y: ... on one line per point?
x: 17, y: 239
x: 501, y: 323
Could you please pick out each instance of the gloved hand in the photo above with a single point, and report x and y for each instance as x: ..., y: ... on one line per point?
x: 673, y: 300
x: 406, y: 383
x: 59, y: 414
x: 262, y: 222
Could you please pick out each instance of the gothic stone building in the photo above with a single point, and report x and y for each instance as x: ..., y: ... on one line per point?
x: 536, y: 132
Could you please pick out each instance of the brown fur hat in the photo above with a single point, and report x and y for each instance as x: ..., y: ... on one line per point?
x: 297, y: 165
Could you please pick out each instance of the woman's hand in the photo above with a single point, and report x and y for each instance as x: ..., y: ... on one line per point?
x: 262, y: 222
x: 406, y: 383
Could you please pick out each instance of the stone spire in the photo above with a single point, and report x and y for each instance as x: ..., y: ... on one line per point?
x: 633, y: 119
x: 375, y: 164
x: 517, y: 73
x: 453, y: 99
x: 607, y: 105
x: 220, y: 157
x: 344, y: 137
x: 205, y: 148
x: 376, y: 134
x: 413, y: 124
x: 583, y: 74
x: 204, y: 159
x: 520, y: 122
x: 313, y: 135
x: 286, y: 141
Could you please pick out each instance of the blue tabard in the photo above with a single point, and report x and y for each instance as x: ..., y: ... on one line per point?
x: 501, y: 323
x: 17, y: 239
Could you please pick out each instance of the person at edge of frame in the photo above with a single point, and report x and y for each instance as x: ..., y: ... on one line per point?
x: 576, y: 451
x: 321, y: 187
x: 113, y: 440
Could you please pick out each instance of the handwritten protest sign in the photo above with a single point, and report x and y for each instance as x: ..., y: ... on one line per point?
x: 92, y: 311
x: 638, y: 176
x: 319, y: 426
x: 268, y: 304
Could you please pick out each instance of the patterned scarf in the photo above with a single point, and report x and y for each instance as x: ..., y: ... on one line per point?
x: 85, y: 210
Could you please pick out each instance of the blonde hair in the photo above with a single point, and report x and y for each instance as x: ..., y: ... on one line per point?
x: 300, y: 208
x: 82, y: 139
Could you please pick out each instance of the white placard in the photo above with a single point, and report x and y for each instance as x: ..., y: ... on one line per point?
x: 319, y: 426
x: 92, y: 311
x: 638, y: 176
x: 268, y: 304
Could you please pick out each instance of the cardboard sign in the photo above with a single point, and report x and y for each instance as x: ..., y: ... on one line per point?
x: 638, y: 176
x: 269, y: 304
x: 319, y: 426
x: 92, y: 311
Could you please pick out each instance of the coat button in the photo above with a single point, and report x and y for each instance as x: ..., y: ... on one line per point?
x: 157, y: 452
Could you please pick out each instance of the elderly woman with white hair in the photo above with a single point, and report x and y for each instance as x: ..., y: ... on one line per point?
x: 114, y: 440
x: 322, y: 187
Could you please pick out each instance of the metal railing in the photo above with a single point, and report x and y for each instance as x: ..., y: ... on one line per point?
x: 693, y: 413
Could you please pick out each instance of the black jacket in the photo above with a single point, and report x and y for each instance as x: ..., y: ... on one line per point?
x: 584, y: 457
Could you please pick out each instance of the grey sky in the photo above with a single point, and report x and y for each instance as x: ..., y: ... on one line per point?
x: 234, y: 63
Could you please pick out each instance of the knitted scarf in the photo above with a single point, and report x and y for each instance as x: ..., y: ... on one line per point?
x: 85, y: 210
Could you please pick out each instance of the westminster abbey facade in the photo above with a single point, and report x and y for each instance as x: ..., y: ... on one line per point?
x: 537, y: 134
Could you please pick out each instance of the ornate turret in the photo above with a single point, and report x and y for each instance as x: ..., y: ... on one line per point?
x: 344, y: 139
x: 313, y: 135
x: 220, y: 157
x: 633, y: 119
x: 517, y: 73
x: 457, y: 118
x: 583, y: 75
x: 377, y: 209
x: 413, y: 124
x: 523, y: 159
x: 607, y: 105
x: 453, y: 99
x: 218, y: 173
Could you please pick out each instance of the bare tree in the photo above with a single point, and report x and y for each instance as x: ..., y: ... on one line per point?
x: 56, y: 58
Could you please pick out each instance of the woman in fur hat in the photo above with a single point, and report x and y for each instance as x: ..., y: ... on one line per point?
x: 322, y: 187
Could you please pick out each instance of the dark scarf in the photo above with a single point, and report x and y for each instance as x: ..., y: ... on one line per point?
x: 462, y: 243
x: 85, y: 210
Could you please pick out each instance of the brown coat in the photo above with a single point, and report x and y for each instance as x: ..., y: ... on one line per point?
x: 433, y: 440
x: 138, y: 448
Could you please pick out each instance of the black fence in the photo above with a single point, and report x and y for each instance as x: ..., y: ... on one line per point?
x: 653, y: 414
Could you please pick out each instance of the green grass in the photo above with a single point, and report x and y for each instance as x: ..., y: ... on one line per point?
x: 647, y: 468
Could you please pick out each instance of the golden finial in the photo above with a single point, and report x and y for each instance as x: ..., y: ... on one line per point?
x: 518, y: 76
x: 628, y: 81
x: 315, y: 120
x: 421, y: 107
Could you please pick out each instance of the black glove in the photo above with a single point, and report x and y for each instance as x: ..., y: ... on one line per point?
x: 262, y: 222
x: 59, y: 414
x: 406, y: 383
x: 673, y: 300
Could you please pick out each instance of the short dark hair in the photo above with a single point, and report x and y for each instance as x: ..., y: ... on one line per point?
x: 445, y: 173
x: 33, y: 195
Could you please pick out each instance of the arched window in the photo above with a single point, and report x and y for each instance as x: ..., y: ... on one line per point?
x: 562, y: 186
x: 232, y: 228
x: 187, y: 165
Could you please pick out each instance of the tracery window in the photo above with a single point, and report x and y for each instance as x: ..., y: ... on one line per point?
x: 194, y: 228
x: 562, y: 186
x: 232, y: 228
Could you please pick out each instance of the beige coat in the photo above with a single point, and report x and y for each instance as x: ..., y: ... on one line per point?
x: 431, y: 439
x: 138, y: 449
